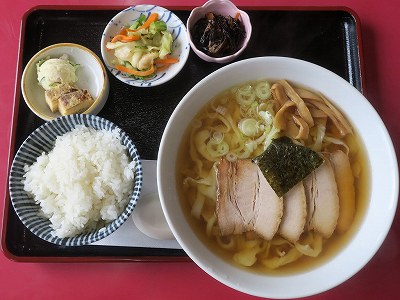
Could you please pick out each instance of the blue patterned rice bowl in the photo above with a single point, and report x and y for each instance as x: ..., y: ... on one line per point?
x: 43, y: 140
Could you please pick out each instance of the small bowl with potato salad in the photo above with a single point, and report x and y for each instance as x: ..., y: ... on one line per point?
x: 145, y: 45
x: 64, y: 79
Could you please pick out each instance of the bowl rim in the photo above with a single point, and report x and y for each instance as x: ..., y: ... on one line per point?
x: 198, y: 251
x: 199, y: 11
x: 31, y: 64
x: 29, y: 145
x: 150, y: 82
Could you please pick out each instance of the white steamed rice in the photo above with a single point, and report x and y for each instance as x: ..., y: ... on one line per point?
x: 83, y: 183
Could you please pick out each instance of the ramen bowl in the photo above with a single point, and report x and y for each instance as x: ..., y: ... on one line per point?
x: 381, y: 198
x: 180, y: 46
x: 31, y: 213
x: 91, y: 75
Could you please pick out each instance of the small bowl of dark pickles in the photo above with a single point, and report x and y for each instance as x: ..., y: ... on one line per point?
x: 218, y: 31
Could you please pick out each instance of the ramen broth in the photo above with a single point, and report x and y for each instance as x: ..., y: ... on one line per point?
x: 193, y: 171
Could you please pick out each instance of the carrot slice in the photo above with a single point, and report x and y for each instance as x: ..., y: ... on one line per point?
x: 162, y: 67
x: 168, y: 60
x: 237, y: 16
x: 152, y: 18
x: 135, y: 72
x: 124, y: 38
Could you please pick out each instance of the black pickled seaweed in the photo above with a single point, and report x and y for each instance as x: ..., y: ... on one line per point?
x: 284, y: 164
x: 218, y: 35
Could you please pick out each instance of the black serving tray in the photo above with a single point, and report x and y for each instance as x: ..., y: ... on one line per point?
x: 329, y: 37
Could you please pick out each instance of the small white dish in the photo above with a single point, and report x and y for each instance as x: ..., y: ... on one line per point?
x: 149, y: 218
x: 91, y: 76
x: 180, y: 45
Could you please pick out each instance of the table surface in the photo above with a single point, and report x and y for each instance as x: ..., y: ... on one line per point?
x: 182, y: 280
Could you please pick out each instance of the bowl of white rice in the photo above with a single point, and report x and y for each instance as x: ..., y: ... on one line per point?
x: 75, y: 180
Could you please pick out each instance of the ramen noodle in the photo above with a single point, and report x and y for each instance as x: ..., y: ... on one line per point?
x: 240, y: 124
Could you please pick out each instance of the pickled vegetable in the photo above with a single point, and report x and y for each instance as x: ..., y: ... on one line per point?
x: 218, y: 35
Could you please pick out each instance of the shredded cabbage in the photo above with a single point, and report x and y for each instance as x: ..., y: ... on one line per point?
x: 166, y: 44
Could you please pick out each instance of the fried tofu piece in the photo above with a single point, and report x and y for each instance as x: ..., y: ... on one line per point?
x: 75, y: 102
x: 55, y: 93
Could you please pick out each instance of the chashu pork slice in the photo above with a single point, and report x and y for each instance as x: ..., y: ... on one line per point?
x: 247, y: 191
x: 245, y: 200
x: 294, y: 213
x: 228, y: 216
x: 322, y: 199
x: 345, y: 183
x: 268, y: 210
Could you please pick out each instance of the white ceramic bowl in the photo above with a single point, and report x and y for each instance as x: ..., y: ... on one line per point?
x: 43, y: 140
x: 91, y: 76
x: 379, y: 213
x: 180, y: 45
x: 220, y: 7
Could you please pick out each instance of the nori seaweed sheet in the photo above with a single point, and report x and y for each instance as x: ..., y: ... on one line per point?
x: 285, y: 163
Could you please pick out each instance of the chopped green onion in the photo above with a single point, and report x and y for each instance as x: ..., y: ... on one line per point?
x: 245, y: 95
x: 218, y: 150
x: 251, y: 145
x: 263, y: 90
x: 248, y: 127
x: 266, y: 116
x: 231, y: 157
x: 217, y: 137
